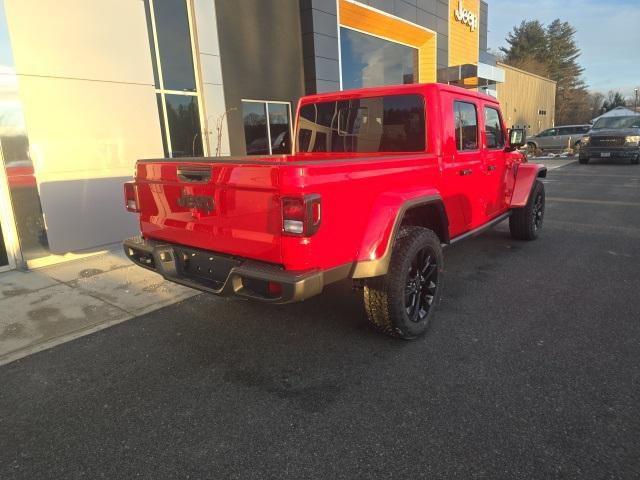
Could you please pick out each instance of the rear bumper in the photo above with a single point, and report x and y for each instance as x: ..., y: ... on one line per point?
x: 614, y: 152
x: 225, y: 275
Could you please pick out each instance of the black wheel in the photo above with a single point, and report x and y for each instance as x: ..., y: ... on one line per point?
x: 583, y: 160
x: 635, y: 161
x: 526, y: 223
x: 402, y: 302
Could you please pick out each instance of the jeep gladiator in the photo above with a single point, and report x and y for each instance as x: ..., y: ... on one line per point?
x: 380, y: 180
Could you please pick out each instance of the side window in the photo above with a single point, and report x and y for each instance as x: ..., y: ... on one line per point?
x: 266, y: 127
x: 466, y: 117
x: 493, y: 127
x: 395, y: 123
x: 565, y: 131
x: 584, y: 129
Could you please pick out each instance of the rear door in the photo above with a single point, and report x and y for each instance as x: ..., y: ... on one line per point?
x: 493, y: 146
x: 462, y: 162
x: 548, y: 139
x: 566, y: 137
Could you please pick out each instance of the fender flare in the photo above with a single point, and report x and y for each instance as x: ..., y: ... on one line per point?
x: 387, y: 213
x: 526, y: 175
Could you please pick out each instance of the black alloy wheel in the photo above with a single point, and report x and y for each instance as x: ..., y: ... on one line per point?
x: 421, y: 285
x: 538, y: 211
x: 402, y: 303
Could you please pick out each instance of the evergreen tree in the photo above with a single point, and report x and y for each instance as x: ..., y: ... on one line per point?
x: 552, y: 52
x: 527, y: 44
x: 614, y: 100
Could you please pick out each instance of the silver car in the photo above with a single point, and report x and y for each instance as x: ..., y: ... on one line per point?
x: 559, y: 138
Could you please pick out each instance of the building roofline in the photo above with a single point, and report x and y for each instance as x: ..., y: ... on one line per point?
x: 504, y: 65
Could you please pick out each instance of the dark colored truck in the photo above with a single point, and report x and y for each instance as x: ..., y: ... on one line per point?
x: 613, y: 138
x: 380, y: 180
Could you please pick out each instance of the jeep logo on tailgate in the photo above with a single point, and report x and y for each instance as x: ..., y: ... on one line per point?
x: 200, y: 202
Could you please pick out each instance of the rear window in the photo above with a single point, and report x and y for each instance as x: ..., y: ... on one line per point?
x: 394, y: 123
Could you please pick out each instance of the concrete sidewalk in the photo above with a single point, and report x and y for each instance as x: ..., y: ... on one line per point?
x: 43, y: 308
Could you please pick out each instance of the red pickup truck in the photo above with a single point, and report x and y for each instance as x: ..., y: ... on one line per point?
x: 380, y: 180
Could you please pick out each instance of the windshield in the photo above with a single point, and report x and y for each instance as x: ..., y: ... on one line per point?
x: 618, y: 122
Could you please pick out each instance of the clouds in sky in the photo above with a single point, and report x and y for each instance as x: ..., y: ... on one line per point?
x: 608, y: 32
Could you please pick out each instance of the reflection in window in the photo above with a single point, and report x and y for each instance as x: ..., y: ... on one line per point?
x: 264, y: 137
x: 174, y: 44
x: 493, y: 126
x: 466, y: 126
x: 4, y: 259
x: 256, y: 134
x: 395, y: 123
x: 184, y: 125
x: 369, y: 61
x: 280, y: 129
x: 173, y: 71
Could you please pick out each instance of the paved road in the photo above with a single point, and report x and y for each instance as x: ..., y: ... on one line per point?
x: 532, y: 370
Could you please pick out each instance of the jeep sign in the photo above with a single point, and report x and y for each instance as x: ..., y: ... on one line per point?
x: 466, y: 16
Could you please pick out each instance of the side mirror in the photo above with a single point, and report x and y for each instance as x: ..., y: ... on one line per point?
x: 516, y: 138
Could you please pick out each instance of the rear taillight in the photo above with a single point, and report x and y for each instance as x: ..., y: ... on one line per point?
x: 301, y: 216
x: 131, y: 197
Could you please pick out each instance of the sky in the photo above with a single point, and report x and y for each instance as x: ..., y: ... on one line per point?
x: 608, y: 33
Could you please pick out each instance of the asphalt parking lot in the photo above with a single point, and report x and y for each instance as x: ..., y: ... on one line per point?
x: 531, y: 370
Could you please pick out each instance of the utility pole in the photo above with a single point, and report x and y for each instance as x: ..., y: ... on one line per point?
x: 635, y: 106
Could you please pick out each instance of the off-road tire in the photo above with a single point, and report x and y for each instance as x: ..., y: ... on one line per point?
x: 526, y: 223
x: 583, y: 160
x: 384, y: 296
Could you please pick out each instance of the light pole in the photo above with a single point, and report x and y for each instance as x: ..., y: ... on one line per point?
x: 635, y: 106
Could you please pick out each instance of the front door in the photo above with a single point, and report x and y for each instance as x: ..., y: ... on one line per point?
x: 462, y: 165
x: 494, y: 162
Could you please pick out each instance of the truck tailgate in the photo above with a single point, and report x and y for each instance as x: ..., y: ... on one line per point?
x: 226, y: 207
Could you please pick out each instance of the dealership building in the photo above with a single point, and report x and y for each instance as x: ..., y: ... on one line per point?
x: 88, y: 87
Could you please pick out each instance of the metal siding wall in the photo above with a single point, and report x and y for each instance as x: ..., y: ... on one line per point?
x: 261, y: 55
x: 464, y: 44
x: 522, y: 95
x: 319, y: 19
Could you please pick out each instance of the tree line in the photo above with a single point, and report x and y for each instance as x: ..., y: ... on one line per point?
x: 551, y: 51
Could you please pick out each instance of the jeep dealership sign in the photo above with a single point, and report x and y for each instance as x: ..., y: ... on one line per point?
x: 466, y: 16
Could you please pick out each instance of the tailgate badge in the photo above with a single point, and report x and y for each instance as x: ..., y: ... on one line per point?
x: 196, y: 202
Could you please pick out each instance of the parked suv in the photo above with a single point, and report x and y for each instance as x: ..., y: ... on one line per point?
x: 559, y: 138
x: 381, y: 179
x: 613, y: 137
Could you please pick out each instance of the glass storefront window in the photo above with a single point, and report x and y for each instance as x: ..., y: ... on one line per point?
x: 369, y: 61
x: 280, y: 128
x: 267, y: 128
x: 168, y: 25
x: 15, y: 158
x: 174, y: 45
x: 184, y: 126
x: 4, y: 259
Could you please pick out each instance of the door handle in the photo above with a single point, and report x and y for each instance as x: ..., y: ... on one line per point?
x: 464, y: 173
x: 491, y: 168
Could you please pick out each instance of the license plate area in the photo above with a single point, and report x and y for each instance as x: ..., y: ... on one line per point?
x: 204, y: 267
x: 605, y: 154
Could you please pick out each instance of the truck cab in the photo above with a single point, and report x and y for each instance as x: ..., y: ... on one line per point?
x: 377, y: 175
